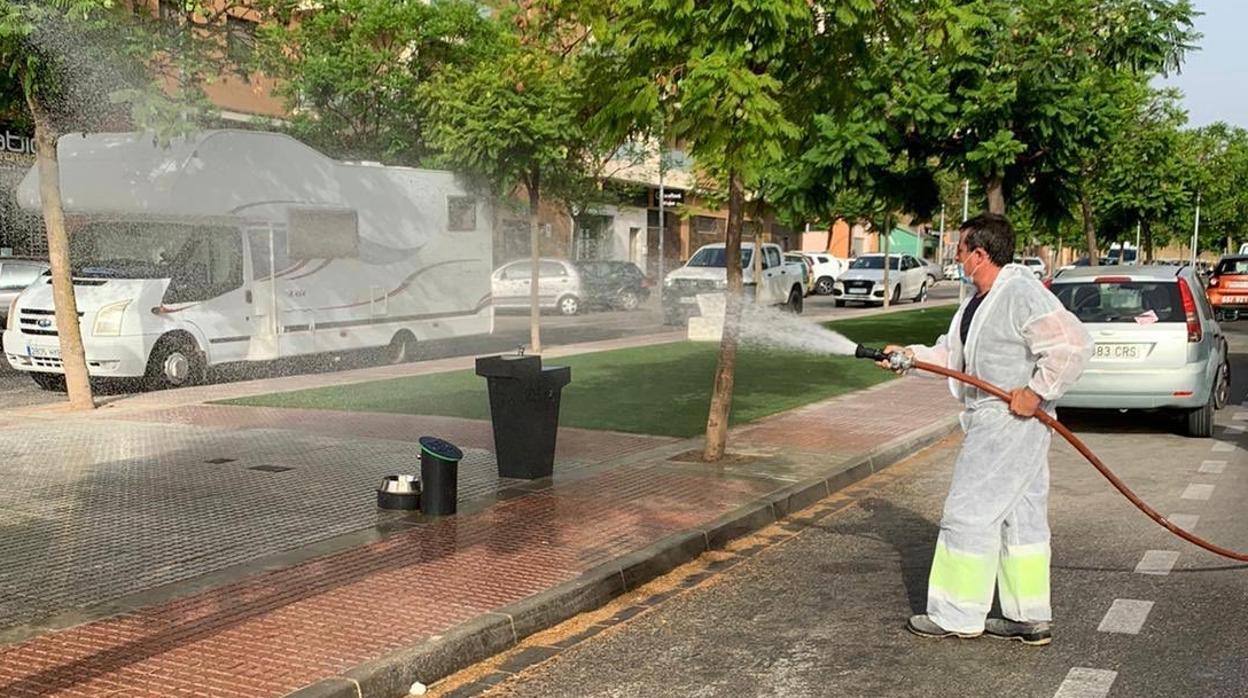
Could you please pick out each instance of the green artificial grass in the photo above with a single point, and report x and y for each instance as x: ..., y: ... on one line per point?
x: 662, y: 389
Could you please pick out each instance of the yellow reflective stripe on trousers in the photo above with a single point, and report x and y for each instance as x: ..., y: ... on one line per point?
x: 1025, y: 576
x: 964, y: 576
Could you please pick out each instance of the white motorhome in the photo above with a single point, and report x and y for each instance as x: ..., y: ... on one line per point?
x: 238, y: 246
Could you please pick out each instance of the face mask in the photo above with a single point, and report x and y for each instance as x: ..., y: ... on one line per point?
x: 968, y: 277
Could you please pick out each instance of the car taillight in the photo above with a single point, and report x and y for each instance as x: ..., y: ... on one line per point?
x: 1189, y: 312
x: 1048, y: 283
x: 1112, y: 280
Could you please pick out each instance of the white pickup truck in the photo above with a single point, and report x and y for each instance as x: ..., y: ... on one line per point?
x: 783, y: 283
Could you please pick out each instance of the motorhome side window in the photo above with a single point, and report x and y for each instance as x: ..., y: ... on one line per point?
x: 258, y: 240
x: 461, y: 214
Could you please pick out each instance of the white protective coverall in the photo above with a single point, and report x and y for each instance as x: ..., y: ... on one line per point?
x: 995, y: 523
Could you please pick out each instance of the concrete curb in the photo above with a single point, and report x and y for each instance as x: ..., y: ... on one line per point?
x: 495, y: 632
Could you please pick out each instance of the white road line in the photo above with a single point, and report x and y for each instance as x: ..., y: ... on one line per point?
x: 1081, y: 682
x: 1223, y: 446
x: 1236, y: 429
x: 1158, y: 562
x: 1213, y: 467
x: 1200, y: 492
x: 1240, y: 417
x: 1187, y: 522
x: 1125, y: 616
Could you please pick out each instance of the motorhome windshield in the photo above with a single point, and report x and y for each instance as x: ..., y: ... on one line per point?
x: 717, y: 257
x: 137, y: 250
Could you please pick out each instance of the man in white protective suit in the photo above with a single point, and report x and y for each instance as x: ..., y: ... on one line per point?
x: 1012, y: 333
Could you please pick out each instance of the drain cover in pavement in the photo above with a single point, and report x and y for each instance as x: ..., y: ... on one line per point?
x: 220, y: 461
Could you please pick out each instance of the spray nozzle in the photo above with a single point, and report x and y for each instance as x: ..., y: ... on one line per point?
x: 897, y: 360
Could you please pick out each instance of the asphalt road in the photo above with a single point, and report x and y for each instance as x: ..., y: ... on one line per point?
x: 818, y: 609
x: 511, y: 330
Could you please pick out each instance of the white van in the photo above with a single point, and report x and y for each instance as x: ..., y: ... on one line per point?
x: 239, y: 246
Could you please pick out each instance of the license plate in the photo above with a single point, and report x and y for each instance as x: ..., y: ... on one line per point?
x: 689, y: 300
x: 43, y: 352
x: 1234, y: 300
x: 1119, y: 352
x: 855, y: 290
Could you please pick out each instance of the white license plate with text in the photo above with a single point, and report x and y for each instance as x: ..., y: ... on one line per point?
x: 1119, y: 352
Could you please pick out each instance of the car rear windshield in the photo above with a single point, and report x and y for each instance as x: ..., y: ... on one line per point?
x: 1232, y: 266
x: 1122, y: 301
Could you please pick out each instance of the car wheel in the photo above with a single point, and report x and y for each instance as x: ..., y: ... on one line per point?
x: 569, y: 305
x: 931, y: 280
x: 795, y: 301
x: 1222, y: 386
x: 175, y: 362
x: 823, y: 286
x: 922, y: 294
x: 1200, y: 420
x: 627, y: 300
x: 839, y: 303
x: 401, y: 350
x: 52, y: 382
x: 896, y: 294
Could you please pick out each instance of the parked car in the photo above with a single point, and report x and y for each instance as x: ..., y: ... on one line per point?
x: 1083, y: 262
x: 953, y: 271
x: 863, y: 282
x: 1158, y: 344
x: 613, y: 284
x: 783, y: 282
x: 934, y: 272
x: 808, y: 268
x: 15, y: 276
x: 559, y: 286
x: 1035, y: 264
x: 1228, y: 287
x: 827, y: 270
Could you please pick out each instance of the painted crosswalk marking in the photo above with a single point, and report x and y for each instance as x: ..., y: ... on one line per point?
x: 1187, y: 522
x: 1158, y: 562
x: 1213, y: 467
x: 1199, y: 492
x: 1081, y: 682
x: 1125, y: 616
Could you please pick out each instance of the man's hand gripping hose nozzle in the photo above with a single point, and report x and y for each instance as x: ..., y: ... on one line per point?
x: 901, y: 361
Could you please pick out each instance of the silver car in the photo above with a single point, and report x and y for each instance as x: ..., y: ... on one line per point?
x: 1158, y: 345
x: 15, y: 276
x: 559, y: 285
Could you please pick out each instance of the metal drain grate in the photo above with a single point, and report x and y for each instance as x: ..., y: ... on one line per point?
x: 270, y: 468
x: 221, y: 461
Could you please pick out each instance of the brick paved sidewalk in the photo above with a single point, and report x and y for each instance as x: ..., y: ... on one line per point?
x: 270, y: 632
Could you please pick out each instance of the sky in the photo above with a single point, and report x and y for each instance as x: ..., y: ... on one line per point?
x: 1213, y: 79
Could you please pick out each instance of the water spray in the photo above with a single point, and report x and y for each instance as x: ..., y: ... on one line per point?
x: 899, y: 361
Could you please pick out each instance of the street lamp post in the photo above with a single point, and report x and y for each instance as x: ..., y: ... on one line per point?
x: 966, y: 205
x: 662, y: 200
x: 1196, y: 230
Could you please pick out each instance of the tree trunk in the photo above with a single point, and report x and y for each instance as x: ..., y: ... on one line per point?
x: 726, y: 365
x: 995, y: 186
x: 1146, y: 228
x: 831, y: 235
x: 68, y: 330
x: 1089, y: 231
x: 887, y: 233
x: 535, y: 254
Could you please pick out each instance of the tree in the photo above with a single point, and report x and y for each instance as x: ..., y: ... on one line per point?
x: 34, y: 57
x: 352, y: 71
x: 1018, y: 85
x: 722, y: 77
x: 1217, y: 158
x: 1146, y: 180
x: 512, y: 120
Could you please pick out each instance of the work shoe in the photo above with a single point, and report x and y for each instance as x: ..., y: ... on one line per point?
x: 923, y: 626
x: 1039, y: 633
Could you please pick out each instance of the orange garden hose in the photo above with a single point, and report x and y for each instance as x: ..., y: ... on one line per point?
x: 1057, y: 426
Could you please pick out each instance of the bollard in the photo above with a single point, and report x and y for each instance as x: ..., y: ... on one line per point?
x: 439, y: 474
